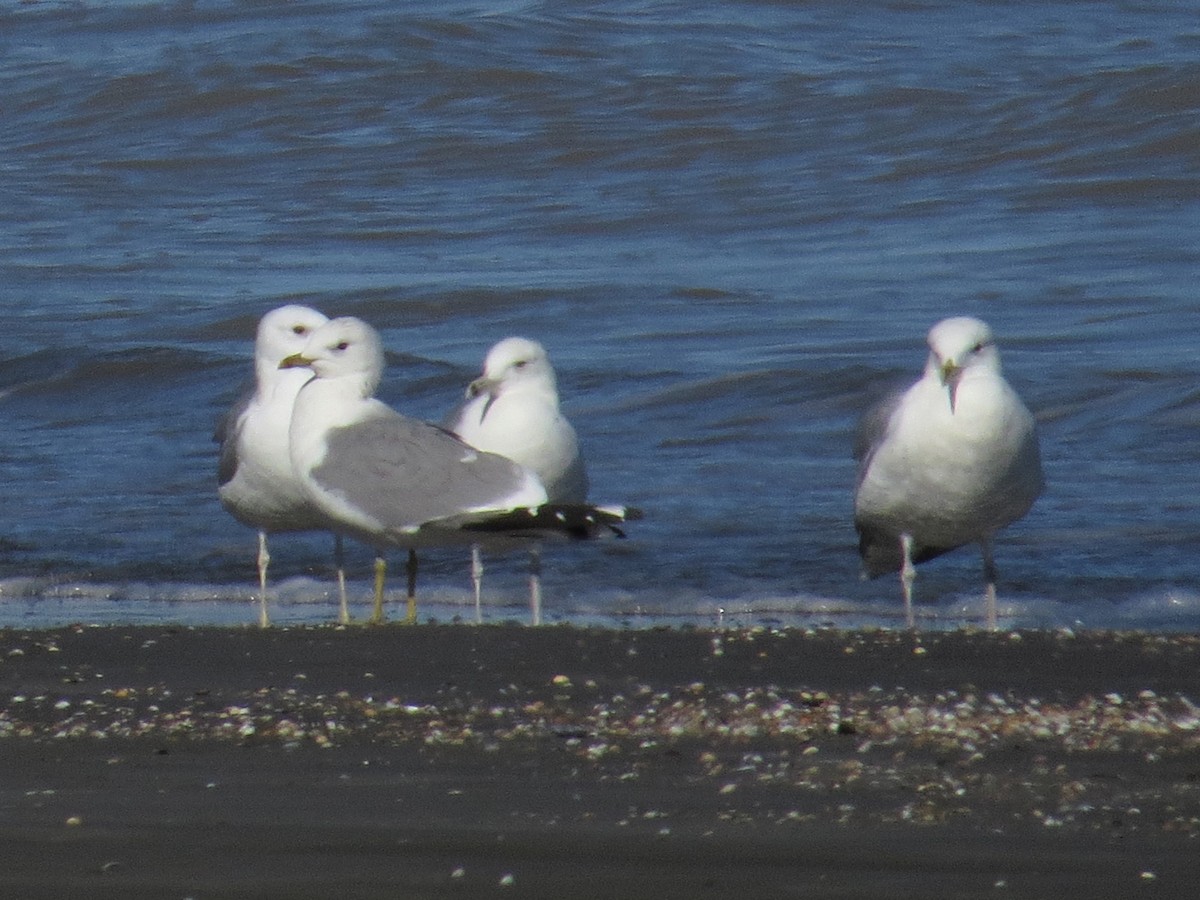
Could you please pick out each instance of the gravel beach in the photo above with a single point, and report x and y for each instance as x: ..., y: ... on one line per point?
x: 461, y: 761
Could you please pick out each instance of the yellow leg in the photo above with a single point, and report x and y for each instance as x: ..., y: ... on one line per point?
x: 380, y: 577
x: 410, y: 616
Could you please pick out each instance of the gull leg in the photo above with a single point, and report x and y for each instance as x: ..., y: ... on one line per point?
x: 477, y: 581
x: 264, y: 560
x: 535, y: 585
x: 380, y: 578
x: 410, y: 616
x: 989, y: 579
x: 339, y: 560
x: 908, y: 574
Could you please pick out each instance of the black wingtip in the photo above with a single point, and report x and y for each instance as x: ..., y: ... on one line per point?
x: 578, y: 521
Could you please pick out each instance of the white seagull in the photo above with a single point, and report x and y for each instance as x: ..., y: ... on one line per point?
x: 394, y: 481
x: 256, y: 483
x: 949, y: 462
x: 512, y: 409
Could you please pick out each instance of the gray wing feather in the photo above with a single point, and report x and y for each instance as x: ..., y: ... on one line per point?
x: 453, y: 418
x: 227, y: 433
x: 879, y: 550
x: 403, y: 472
x: 872, y: 429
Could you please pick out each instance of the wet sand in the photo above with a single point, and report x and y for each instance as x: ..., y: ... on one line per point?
x: 460, y: 761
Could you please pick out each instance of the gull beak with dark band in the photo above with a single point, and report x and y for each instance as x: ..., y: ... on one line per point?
x: 295, y: 361
x: 479, y: 386
x: 483, y: 385
x: 951, y: 373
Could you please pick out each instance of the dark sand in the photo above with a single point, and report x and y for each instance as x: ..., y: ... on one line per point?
x: 440, y: 761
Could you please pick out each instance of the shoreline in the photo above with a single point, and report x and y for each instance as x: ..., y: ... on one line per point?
x: 458, y: 760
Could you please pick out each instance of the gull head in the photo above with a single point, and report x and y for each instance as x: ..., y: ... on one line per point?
x: 342, y: 348
x: 514, y: 363
x: 958, y: 347
x: 284, y: 331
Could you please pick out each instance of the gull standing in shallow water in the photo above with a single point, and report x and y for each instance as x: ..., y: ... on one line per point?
x: 949, y: 462
x: 394, y: 481
x: 512, y: 409
x: 256, y: 482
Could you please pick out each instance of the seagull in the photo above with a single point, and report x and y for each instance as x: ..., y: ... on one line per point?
x: 512, y: 409
x: 390, y: 480
x: 256, y: 484
x: 948, y: 462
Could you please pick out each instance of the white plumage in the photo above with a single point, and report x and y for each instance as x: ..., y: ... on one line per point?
x: 512, y: 409
x: 257, y: 484
x: 394, y: 481
x: 949, y: 462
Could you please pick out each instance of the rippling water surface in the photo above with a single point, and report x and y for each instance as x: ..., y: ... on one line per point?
x: 732, y: 224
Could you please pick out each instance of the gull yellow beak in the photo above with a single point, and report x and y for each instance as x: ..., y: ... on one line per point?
x: 295, y: 361
x: 950, y: 373
x: 481, y: 385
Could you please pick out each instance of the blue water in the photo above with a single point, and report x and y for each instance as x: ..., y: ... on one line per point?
x: 732, y: 224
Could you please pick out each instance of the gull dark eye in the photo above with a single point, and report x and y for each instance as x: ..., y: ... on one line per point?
x: 342, y: 345
x: 300, y: 329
